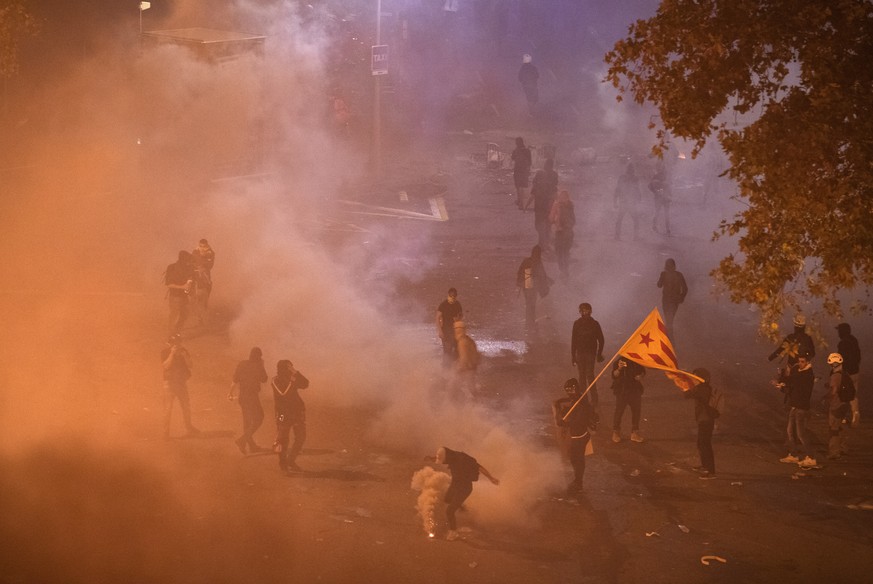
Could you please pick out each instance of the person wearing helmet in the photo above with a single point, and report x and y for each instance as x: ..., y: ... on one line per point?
x: 796, y: 343
x: 841, y: 392
x: 851, y: 352
x: 575, y: 430
x: 176, y: 363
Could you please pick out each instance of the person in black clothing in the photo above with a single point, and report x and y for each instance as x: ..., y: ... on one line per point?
x: 586, y: 345
x: 795, y: 344
x: 290, y: 414
x: 465, y: 471
x: 701, y: 394
x: 529, y: 76
x: 179, y: 280
x: 576, y: 429
x: 447, y: 313
x: 543, y: 192
x: 176, y: 362
x: 628, y: 390
x: 521, y: 163
x: 797, y: 383
x: 674, y: 289
x: 249, y: 376
x: 850, y: 350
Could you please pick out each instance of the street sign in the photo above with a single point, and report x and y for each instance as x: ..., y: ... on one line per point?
x: 379, y: 61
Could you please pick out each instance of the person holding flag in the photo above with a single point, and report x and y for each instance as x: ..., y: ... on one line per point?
x: 650, y: 347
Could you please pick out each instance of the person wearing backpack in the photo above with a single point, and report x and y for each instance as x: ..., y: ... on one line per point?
x: 705, y: 415
x: 841, y: 392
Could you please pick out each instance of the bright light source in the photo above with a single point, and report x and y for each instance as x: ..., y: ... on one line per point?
x: 144, y: 6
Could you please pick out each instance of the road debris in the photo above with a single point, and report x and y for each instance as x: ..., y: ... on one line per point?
x: 705, y: 560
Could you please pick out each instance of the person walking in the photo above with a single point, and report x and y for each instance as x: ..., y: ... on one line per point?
x: 627, y: 200
x: 177, y: 363
x: 521, y: 164
x: 705, y: 418
x: 543, y: 193
x: 290, y: 414
x: 575, y: 431
x: 248, y: 377
x: 628, y: 389
x: 528, y: 76
x: 586, y: 346
x: 467, y: 363
x: 661, y: 190
x: 448, y: 311
x: 465, y: 471
x: 563, y: 218
x: 673, y: 292
x: 533, y: 281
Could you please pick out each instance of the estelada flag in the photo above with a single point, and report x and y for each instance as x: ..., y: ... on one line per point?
x: 650, y: 347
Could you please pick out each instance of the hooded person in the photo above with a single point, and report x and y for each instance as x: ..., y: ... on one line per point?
x: 290, y: 414
x: 673, y: 291
x: 851, y: 352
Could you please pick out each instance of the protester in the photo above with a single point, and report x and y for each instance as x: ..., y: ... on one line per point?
x: 467, y: 363
x: 850, y: 350
x: 575, y: 430
x: 179, y: 280
x: 249, y: 376
x: 586, y: 345
x: 521, y: 163
x: 562, y: 217
x: 533, y: 281
x: 543, y: 192
x: 627, y: 200
x: 628, y: 390
x: 673, y: 291
x: 177, y: 363
x: 447, y: 312
x: 528, y: 76
x: 797, y: 382
x: 841, y: 392
x: 795, y: 344
x: 704, y: 416
x: 465, y: 471
x: 290, y: 414
x: 661, y: 191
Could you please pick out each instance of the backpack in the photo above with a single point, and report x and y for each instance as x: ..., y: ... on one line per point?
x: 716, y: 402
x: 846, y: 391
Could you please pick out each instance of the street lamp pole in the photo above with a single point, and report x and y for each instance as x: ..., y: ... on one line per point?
x: 377, y: 102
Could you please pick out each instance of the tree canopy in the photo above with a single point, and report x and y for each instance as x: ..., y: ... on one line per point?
x: 16, y: 22
x: 786, y: 87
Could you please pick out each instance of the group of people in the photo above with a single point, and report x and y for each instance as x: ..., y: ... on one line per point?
x: 249, y: 375
x: 189, y: 284
x: 796, y: 380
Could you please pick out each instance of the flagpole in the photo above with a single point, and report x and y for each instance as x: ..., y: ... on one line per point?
x: 587, y: 389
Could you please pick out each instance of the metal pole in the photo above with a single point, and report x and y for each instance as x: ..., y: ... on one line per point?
x: 377, y: 102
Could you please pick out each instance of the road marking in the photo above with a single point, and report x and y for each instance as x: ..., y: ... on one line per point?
x: 437, y: 207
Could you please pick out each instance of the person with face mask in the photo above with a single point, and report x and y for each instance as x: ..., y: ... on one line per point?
x: 290, y: 414
x: 795, y: 344
x: 575, y: 430
x: 447, y: 313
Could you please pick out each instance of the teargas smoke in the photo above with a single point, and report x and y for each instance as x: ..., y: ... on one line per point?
x: 432, y: 484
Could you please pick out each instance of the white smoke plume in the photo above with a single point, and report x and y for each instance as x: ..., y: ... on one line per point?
x: 432, y: 485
